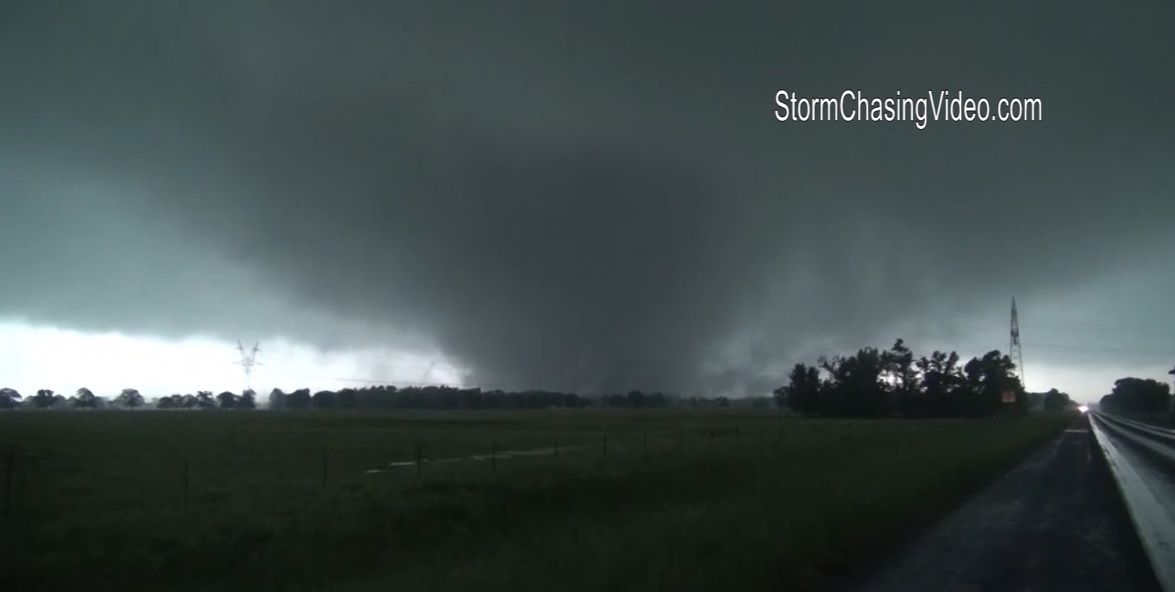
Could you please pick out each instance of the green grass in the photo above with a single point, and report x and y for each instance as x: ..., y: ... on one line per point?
x: 679, y: 500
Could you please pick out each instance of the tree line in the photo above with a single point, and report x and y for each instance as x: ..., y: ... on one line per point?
x: 422, y: 397
x: 129, y: 398
x: 893, y: 382
x: 83, y: 398
x: 205, y: 400
x: 447, y: 397
x: 1138, y: 395
x: 372, y: 397
x: 869, y: 383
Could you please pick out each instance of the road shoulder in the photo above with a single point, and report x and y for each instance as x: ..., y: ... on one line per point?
x: 1054, y: 522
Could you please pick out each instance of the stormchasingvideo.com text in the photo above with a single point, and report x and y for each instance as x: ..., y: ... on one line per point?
x: 853, y: 106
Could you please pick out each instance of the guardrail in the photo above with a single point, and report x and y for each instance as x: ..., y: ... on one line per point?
x: 1143, y: 492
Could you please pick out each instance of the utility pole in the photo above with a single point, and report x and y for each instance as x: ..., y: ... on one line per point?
x: 1171, y: 406
x: 1014, y: 350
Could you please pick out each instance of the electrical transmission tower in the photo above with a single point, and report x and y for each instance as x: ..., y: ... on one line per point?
x: 248, y: 361
x: 1014, y: 350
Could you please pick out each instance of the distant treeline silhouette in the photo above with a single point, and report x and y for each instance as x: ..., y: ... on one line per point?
x: 870, y: 383
x: 84, y: 398
x: 205, y: 400
x: 892, y: 382
x: 447, y: 397
x: 373, y: 397
x: 426, y: 397
x: 1138, y: 395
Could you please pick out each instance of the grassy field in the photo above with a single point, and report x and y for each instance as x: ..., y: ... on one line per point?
x: 631, y: 500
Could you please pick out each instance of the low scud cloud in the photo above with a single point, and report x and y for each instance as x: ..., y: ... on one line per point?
x: 589, y: 198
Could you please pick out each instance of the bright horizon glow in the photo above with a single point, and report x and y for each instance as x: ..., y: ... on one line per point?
x: 1086, y: 384
x: 34, y: 357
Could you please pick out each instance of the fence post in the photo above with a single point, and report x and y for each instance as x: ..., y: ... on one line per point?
x: 324, y: 465
x: 9, y: 469
x: 494, y: 456
x: 20, y: 477
x: 418, y: 459
x: 187, y: 483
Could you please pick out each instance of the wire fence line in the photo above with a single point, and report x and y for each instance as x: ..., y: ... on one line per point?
x: 190, y: 483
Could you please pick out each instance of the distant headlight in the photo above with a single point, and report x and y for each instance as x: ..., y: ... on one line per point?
x: 1083, y: 408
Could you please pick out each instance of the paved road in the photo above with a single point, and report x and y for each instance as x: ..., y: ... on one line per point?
x: 1155, y: 464
x: 1055, y: 522
x: 1142, y: 459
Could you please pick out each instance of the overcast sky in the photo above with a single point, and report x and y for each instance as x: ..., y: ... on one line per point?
x: 591, y: 195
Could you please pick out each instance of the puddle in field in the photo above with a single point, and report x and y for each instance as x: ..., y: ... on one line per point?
x: 503, y: 455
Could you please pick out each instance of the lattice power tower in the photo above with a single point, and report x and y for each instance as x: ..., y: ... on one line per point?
x: 1014, y: 350
x: 248, y: 361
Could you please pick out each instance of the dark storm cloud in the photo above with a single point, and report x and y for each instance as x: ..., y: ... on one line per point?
x: 591, y: 197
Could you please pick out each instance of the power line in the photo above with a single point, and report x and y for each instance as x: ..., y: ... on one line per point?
x: 1015, y: 351
x: 1111, y: 348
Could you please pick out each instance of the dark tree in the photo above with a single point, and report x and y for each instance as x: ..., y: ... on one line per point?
x: 170, y: 402
x: 874, y: 383
x: 324, y: 399
x: 84, y: 398
x: 802, y: 394
x: 226, y: 400
x: 942, y: 380
x: 855, y: 388
x: 277, y: 399
x: 987, y: 379
x: 657, y: 400
x: 901, y: 377
x: 299, y: 399
x: 636, y: 399
x: 129, y: 398
x: 204, y: 400
x: 248, y: 400
x: 1138, y: 395
x: 1055, y: 400
x: 9, y: 398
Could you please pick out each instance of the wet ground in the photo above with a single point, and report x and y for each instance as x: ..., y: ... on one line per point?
x: 1154, y: 461
x: 1055, y: 522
